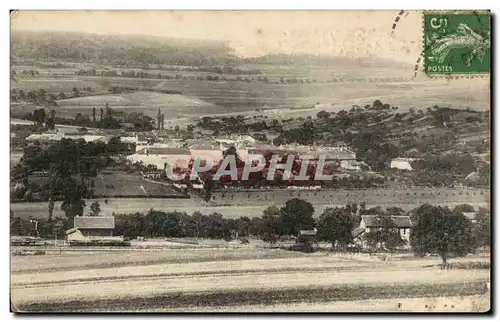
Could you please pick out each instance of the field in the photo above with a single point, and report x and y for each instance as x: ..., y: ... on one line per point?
x: 237, y: 277
x: 202, y: 97
x: 252, y: 204
x: 115, y: 184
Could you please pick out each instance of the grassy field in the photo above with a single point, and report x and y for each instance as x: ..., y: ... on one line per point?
x: 405, y: 198
x: 251, y: 209
x: 112, y: 184
x: 229, y: 279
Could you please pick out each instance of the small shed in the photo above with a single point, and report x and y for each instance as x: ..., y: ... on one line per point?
x: 74, y: 234
x: 305, y: 239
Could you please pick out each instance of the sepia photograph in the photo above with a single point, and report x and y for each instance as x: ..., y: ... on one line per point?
x: 250, y: 161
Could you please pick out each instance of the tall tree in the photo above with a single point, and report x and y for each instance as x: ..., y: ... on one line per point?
x: 296, y: 215
x: 336, y: 225
x: 482, y: 229
x: 439, y: 230
x: 271, y: 224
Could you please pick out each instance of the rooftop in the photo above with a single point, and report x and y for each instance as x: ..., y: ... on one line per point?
x: 308, y: 232
x: 376, y: 221
x: 97, y: 222
x: 164, y: 151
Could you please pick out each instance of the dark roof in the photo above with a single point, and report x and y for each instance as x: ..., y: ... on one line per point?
x: 375, y: 221
x: 97, y: 222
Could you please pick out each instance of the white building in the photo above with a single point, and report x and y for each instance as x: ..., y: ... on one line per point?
x: 161, y: 157
x: 401, y: 164
x: 54, y: 137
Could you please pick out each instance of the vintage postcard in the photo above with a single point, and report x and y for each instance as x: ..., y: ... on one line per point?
x: 250, y: 161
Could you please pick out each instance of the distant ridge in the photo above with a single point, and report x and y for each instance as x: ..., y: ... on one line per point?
x: 304, y: 59
x: 138, y: 49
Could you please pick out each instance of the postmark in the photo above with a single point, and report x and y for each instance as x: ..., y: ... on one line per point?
x: 457, y: 43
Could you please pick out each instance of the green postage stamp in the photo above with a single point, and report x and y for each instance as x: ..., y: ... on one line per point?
x: 457, y: 43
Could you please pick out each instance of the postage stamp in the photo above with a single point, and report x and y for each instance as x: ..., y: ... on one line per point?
x: 457, y: 43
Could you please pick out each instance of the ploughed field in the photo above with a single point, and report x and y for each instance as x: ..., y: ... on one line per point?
x: 233, y: 277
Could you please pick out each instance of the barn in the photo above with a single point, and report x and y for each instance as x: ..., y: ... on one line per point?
x: 88, y: 226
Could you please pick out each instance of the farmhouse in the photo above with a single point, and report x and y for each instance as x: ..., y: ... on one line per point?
x: 370, y: 223
x: 88, y: 227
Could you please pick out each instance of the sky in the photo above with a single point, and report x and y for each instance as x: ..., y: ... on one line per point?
x: 253, y: 33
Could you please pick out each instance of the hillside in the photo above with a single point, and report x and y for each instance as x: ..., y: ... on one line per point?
x: 134, y: 50
x: 115, y: 49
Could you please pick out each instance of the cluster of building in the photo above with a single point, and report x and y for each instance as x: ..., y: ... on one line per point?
x: 58, y: 136
x: 176, y: 152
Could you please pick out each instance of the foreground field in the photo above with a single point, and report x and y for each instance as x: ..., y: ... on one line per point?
x: 228, y: 279
x: 474, y: 303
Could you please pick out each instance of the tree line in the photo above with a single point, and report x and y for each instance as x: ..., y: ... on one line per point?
x: 142, y: 74
x: 42, y: 97
x: 103, y: 118
x: 435, y: 229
